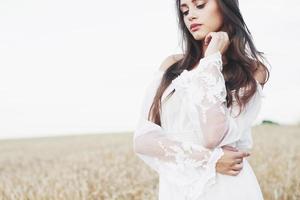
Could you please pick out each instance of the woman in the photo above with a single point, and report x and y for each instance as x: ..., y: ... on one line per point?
x: 195, y: 125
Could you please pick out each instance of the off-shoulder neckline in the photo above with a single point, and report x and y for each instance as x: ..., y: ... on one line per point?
x: 259, y: 86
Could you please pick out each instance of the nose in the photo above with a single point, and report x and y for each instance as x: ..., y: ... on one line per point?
x: 191, y: 15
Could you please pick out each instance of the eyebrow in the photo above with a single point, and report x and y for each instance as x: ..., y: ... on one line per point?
x: 185, y: 5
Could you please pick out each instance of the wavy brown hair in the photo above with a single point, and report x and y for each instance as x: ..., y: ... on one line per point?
x: 243, y: 59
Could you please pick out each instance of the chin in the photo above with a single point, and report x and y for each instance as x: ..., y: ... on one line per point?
x: 198, y: 36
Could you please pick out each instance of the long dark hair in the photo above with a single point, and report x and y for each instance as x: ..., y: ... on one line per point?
x: 243, y: 59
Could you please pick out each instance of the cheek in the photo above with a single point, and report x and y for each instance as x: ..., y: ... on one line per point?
x: 218, y: 21
x: 214, y: 18
x: 185, y: 22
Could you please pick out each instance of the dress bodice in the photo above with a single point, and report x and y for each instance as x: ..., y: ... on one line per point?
x: 175, y: 118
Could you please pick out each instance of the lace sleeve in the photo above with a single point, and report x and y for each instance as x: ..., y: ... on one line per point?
x: 185, y: 164
x: 204, y: 93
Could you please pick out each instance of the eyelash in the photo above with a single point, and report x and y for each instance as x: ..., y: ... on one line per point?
x: 199, y: 6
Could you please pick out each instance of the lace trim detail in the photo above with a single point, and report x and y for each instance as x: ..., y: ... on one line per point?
x: 207, y: 75
x: 183, y: 155
x: 215, y: 57
x: 199, y: 187
x: 178, y: 155
x: 192, y: 182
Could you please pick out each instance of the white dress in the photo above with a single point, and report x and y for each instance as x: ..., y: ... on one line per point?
x: 195, y: 124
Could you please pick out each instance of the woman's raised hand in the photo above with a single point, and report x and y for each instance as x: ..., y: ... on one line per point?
x: 216, y: 41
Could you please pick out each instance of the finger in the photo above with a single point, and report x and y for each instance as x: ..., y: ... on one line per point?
x: 246, y: 154
x: 226, y: 38
x: 230, y: 148
x: 225, y: 35
x: 222, y: 35
x: 206, y: 38
x: 241, y: 154
x: 223, y: 38
x: 233, y: 172
x: 237, y: 161
x: 216, y: 36
x: 238, y: 167
x: 209, y: 37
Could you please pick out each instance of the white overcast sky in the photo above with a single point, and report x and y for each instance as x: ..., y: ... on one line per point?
x: 81, y: 66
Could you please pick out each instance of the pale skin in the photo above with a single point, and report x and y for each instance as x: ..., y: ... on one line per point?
x: 207, y: 13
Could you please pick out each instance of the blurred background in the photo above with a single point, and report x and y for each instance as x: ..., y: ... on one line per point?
x: 75, y: 67
x: 72, y: 78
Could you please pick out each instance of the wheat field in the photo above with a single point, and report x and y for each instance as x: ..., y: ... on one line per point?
x: 104, y: 166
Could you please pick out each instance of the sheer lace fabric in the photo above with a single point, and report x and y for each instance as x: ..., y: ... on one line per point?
x: 195, y: 125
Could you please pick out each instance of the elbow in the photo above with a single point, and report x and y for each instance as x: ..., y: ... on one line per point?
x: 211, y: 140
x: 215, y: 137
x: 215, y: 129
x: 211, y: 143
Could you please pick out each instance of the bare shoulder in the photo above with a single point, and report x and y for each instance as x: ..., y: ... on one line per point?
x: 261, y: 75
x: 170, y: 60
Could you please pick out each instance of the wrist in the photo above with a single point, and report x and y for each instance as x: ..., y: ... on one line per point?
x: 213, y: 57
x: 210, y: 54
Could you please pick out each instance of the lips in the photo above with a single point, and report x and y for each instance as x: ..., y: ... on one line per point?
x: 194, y: 26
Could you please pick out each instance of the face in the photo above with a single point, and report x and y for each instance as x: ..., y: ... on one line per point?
x: 204, y: 12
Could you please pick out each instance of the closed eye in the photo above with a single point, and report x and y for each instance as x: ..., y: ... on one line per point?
x: 199, y: 6
x: 185, y: 13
